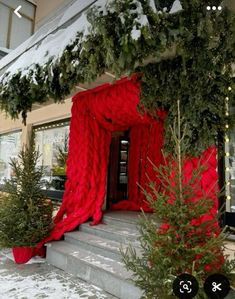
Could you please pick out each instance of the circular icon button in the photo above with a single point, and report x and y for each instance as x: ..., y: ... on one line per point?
x: 217, y: 286
x: 185, y: 286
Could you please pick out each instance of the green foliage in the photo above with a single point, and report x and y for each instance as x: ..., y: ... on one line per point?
x: 61, y: 158
x: 25, y: 213
x: 197, y: 69
x: 180, y: 244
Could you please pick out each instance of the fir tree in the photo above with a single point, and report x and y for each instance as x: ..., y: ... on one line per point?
x: 25, y: 213
x: 176, y: 246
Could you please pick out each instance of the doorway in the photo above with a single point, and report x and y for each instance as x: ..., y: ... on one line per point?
x: 118, y: 167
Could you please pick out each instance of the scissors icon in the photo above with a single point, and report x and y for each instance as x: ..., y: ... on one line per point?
x: 216, y: 286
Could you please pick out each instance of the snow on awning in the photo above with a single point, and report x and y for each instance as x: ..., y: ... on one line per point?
x: 49, y: 42
x: 38, y: 48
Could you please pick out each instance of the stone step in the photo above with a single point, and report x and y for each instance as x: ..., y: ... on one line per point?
x: 106, y: 273
x: 97, y: 245
x: 124, y: 235
x: 127, y: 219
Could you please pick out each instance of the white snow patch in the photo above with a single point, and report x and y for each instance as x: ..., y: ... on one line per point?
x: 143, y: 20
x: 135, y: 33
x: 122, y: 18
x: 51, y: 47
x: 33, y: 260
x: 41, y: 281
x: 176, y: 7
x: 102, y: 5
x: 152, y: 5
x: 49, y: 286
x: 92, y: 260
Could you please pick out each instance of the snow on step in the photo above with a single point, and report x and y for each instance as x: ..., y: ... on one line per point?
x: 112, y: 232
x: 106, y: 273
x: 94, y: 240
x: 102, y: 262
x: 97, y: 245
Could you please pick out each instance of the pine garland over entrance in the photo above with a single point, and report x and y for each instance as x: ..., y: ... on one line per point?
x: 197, y: 69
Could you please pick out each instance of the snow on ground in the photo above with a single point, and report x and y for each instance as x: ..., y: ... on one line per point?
x: 37, y: 279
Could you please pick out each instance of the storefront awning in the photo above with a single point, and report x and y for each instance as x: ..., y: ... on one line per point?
x: 49, y: 42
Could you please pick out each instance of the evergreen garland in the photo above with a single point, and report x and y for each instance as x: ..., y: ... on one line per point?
x: 198, y: 72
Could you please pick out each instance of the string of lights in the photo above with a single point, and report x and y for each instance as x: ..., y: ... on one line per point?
x: 227, y: 156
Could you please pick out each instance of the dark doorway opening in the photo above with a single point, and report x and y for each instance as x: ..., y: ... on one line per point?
x: 118, y: 167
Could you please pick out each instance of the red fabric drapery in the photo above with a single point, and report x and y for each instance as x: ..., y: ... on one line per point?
x: 96, y: 113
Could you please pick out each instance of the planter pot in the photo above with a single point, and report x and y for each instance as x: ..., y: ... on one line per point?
x: 22, y: 254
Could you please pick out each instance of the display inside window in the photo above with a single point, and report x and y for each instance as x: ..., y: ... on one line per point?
x: 10, y: 145
x: 52, y: 142
x: 123, y: 162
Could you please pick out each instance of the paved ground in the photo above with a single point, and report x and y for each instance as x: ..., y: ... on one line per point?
x: 37, y: 279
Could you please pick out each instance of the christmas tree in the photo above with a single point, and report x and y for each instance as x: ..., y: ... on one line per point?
x: 181, y: 244
x: 25, y: 213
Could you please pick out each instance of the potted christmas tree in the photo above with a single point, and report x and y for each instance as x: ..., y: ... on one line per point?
x: 25, y: 213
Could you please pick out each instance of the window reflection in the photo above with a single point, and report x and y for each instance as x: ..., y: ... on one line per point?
x: 52, y: 142
x: 10, y: 145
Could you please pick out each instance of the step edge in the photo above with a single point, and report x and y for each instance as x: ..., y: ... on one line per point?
x: 97, y: 227
x: 92, y: 265
x: 67, y: 238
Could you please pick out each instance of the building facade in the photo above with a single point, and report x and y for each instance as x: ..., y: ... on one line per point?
x: 51, y: 121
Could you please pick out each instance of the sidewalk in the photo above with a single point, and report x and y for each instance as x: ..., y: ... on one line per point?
x: 37, y: 279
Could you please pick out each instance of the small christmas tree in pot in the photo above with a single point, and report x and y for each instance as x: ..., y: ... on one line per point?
x: 25, y: 213
x: 188, y: 238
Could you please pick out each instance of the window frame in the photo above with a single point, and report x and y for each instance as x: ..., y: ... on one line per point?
x: 10, y: 18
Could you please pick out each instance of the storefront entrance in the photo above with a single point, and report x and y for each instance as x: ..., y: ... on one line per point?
x: 117, y: 188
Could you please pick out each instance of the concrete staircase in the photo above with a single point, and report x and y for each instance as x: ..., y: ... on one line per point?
x: 92, y: 253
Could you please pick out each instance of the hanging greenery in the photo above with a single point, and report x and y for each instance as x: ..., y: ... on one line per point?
x: 197, y: 69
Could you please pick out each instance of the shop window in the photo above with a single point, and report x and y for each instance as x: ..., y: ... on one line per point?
x: 52, y: 142
x: 10, y: 145
x: 15, y: 30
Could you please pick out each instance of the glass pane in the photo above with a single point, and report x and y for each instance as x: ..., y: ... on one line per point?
x: 53, y: 146
x: 27, y: 7
x: 122, y: 179
x: 4, y: 18
x: 123, y: 156
x: 20, y: 31
x: 10, y: 145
